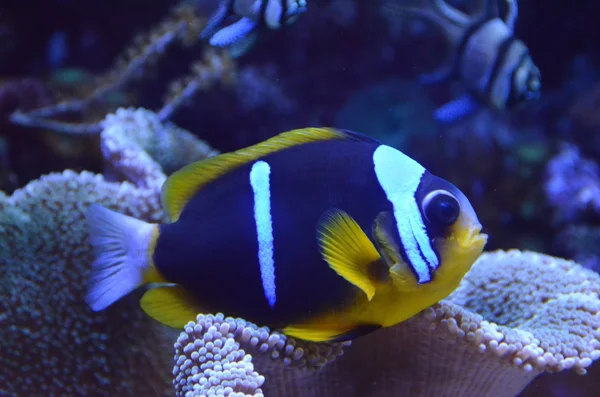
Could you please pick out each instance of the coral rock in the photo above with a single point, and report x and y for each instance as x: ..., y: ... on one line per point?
x: 515, y: 315
x: 51, y: 343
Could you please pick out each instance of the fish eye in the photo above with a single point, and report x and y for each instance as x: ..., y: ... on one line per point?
x: 441, y: 208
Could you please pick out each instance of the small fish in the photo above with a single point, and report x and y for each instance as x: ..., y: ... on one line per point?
x: 324, y: 234
x: 253, y: 14
x: 493, y: 65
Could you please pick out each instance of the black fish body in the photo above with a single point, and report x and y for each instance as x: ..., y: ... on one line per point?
x: 221, y: 257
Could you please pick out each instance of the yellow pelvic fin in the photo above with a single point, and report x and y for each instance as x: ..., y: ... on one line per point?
x: 183, y: 184
x: 171, y: 306
x: 383, y: 239
x: 347, y: 249
x: 338, y: 333
x: 400, y: 272
x: 403, y: 277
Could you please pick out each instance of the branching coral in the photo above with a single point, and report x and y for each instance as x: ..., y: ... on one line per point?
x: 51, y: 343
x: 183, y: 26
x: 24, y: 94
x: 515, y: 315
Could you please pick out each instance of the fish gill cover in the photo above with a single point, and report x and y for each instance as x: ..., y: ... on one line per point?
x: 76, y: 79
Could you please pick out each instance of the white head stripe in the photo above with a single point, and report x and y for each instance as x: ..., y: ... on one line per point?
x: 418, y: 230
x: 259, y: 180
x: 399, y: 177
x: 410, y: 242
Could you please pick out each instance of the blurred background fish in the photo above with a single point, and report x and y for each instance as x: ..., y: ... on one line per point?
x: 252, y: 14
x: 493, y: 65
x: 327, y: 234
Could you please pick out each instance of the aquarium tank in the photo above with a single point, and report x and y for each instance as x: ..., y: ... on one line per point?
x: 300, y: 198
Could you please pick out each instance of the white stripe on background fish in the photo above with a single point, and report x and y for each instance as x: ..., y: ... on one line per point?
x: 252, y: 14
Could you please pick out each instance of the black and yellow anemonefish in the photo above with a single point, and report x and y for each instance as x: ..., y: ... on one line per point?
x: 321, y: 233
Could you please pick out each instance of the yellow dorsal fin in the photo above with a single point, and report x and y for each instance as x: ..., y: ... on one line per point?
x: 171, y: 306
x: 183, y: 184
x: 348, y: 250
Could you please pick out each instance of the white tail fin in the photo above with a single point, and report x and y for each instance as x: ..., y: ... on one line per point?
x: 120, y: 245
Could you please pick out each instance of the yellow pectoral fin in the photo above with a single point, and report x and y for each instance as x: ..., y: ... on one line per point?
x: 171, y: 306
x: 183, y: 184
x: 347, y: 249
x: 333, y: 333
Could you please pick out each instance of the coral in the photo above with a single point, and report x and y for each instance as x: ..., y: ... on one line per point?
x: 167, y: 144
x: 572, y: 183
x: 183, y: 25
x: 73, y: 101
x: 27, y: 93
x: 580, y: 242
x: 51, y: 343
x: 209, y: 359
x: 515, y: 315
x: 550, y: 303
x: 585, y: 109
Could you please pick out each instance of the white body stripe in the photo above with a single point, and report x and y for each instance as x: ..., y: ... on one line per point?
x: 260, y: 182
x: 399, y: 177
x: 273, y: 13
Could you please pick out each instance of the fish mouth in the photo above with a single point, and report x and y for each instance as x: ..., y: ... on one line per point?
x: 473, y: 238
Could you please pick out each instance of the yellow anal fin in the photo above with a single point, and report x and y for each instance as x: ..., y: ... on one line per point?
x: 347, y: 249
x: 334, y: 334
x: 183, y: 184
x: 171, y: 306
